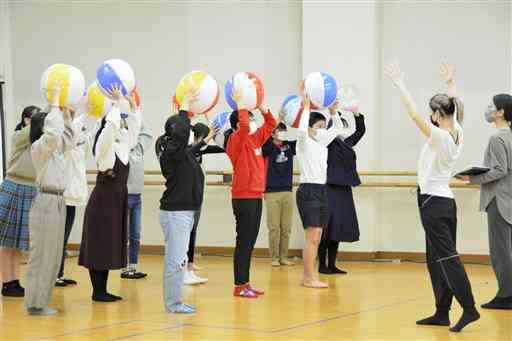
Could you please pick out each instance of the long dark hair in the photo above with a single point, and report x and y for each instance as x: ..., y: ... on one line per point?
x: 446, y: 105
x: 36, y: 126
x: 102, y: 126
x: 28, y: 112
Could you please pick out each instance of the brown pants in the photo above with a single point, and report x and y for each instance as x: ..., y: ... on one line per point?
x: 279, y: 221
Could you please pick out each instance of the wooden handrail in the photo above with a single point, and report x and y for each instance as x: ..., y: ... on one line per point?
x: 222, y: 173
x: 371, y: 184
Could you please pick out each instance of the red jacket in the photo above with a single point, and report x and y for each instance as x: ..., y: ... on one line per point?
x: 244, y: 151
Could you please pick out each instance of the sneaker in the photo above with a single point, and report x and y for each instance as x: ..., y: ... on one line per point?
x: 244, y: 291
x: 60, y: 283
x: 182, y: 308
x: 275, y: 263
x: 286, y: 262
x: 42, y: 311
x: 69, y: 281
x: 132, y: 274
x: 190, y: 279
x: 13, y: 289
x: 199, y: 279
x: 195, y: 267
x: 257, y: 291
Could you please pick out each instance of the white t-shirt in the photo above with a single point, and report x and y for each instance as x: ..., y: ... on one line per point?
x: 437, y: 161
x: 312, y: 153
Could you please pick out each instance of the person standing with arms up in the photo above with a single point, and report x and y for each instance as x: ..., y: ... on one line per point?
x: 438, y: 210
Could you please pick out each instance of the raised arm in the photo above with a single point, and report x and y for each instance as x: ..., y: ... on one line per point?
x: 397, y: 77
x: 336, y: 128
x: 447, y: 72
x: 354, y: 139
x: 263, y: 133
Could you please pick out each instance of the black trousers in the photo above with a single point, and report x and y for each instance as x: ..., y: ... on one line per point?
x: 70, y: 219
x: 447, y: 273
x: 247, y: 214
x: 193, y: 234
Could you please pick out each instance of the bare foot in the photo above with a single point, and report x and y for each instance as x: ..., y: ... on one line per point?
x: 316, y: 284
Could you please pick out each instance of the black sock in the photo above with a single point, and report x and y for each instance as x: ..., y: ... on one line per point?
x: 440, y: 318
x: 332, y: 253
x: 468, y: 316
x: 117, y: 298
x: 322, y: 256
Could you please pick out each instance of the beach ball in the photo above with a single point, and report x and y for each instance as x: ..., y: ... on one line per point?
x: 207, y: 87
x: 321, y: 88
x: 135, y: 93
x: 221, y: 123
x: 97, y: 104
x: 115, y: 72
x: 251, y: 89
x: 348, y: 96
x: 70, y: 79
x: 292, y: 108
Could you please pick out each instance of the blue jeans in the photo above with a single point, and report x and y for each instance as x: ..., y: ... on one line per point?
x: 134, y: 227
x: 176, y: 226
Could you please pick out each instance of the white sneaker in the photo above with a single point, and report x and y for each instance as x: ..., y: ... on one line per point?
x: 199, y: 279
x: 190, y: 279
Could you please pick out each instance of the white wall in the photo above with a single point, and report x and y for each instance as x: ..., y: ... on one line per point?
x: 283, y: 41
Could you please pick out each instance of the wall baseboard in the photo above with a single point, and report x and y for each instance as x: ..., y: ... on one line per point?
x: 345, y: 255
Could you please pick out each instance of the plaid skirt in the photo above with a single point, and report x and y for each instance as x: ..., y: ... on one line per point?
x: 15, y: 203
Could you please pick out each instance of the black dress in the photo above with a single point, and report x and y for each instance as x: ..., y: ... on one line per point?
x: 341, y: 177
x: 104, y: 235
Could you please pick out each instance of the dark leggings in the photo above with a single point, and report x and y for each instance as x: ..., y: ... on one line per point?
x: 192, y: 242
x: 70, y: 219
x: 327, y: 251
x: 99, y: 280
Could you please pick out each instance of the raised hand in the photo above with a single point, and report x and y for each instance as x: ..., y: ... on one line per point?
x: 263, y: 108
x: 238, y: 99
x: 447, y: 72
x: 395, y: 74
x: 115, y: 90
x: 333, y: 109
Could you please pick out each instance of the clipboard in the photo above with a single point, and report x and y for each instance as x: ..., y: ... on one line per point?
x: 473, y: 171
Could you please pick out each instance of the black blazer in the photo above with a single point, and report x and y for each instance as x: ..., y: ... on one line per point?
x: 341, y: 161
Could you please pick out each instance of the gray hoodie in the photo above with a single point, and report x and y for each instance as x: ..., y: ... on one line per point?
x: 136, y: 174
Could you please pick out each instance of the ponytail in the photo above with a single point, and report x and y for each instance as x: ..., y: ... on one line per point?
x: 102, y: 126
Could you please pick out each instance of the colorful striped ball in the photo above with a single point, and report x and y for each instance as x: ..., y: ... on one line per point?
x: 207, y: 91
x: 115, y: 73
x: 70, y: 79
x: 251, y: 88
x: 321, y: 88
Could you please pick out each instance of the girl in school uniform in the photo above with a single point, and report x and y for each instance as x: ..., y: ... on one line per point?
x: 16, y: 194
x: 104, y: 237
x: 51, y: 136
x: 341, y: 177
x: 438, y: 210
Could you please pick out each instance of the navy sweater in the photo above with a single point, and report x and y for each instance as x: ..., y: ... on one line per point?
x: 279, y: 160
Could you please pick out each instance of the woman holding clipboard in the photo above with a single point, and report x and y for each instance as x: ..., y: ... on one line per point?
x: 496, y: 197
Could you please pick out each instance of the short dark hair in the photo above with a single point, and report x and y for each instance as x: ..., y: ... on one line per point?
x: 200, y: 130
x: 504, y: 102
x: 36, y: 126
x: 281, y: 126
x: 233, y: 119
x: 315, y: 117
x: 28, y: 112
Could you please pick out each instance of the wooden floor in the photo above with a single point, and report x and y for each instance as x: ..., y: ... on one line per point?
x: 376, y: 301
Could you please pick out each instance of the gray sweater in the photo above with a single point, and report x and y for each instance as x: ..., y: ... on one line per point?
x: 497, y: 183
x: 136, y: 173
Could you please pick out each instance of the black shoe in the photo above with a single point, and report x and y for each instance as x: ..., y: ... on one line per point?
x: 69, y: 281
x: 117, y: 298
x: 103, y: 298
x: 500, y: 303
x: 335, y: 270
x: 325, y: 270
x: 133, y: 275
x: 12, y: 289
x: 60, y: 283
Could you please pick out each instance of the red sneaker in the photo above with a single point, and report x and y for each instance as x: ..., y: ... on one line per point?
x: 244, y: 291
x: 257, y: 291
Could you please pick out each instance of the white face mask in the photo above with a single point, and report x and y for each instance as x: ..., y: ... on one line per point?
x: 253, y: 126
x: 319, y: 133
x: 281, y: 135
